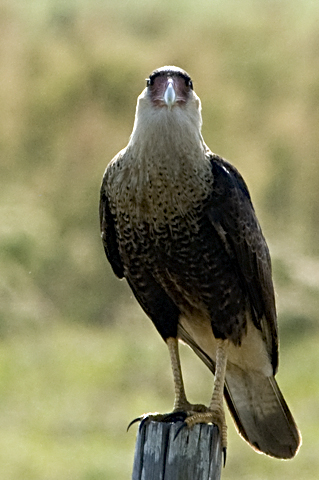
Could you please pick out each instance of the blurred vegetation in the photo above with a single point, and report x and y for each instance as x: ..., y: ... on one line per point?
x: 75, y: 367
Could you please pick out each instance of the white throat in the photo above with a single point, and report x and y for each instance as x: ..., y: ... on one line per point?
x: 165, y: 169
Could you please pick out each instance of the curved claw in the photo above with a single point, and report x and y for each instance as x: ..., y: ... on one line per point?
x: 180, y: 428
x: 224, y: 456
x: 138, y: 419
x: 174, y: 417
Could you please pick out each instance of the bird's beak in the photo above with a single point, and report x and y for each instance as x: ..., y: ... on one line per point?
x: 170, y: 94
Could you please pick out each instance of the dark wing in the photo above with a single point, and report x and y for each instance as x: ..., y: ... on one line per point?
x: 254, y: 400
x: 108, y: 234
x: 231, y: 212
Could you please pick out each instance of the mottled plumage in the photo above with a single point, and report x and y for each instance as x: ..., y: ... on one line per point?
x: 178, y: 223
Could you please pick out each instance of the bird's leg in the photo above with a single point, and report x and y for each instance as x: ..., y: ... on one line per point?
x: 182, y: 408
x: 217, y: 401
x: 180, y: 395
x: 181, y: 403
x: 215, y: 412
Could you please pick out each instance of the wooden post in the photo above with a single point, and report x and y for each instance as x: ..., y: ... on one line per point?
x: 195, y: 453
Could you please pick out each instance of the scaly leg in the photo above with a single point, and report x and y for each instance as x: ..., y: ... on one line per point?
x: 215, y: 412
x: 180, y: 395
x: 192, y: 414
x: 181, y: 403
x: 182, y: 408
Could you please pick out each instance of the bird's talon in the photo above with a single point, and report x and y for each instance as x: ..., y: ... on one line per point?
x: 173, y: 417
x: 138, y: 419
x: 180, y: 428
x: 224, y: 456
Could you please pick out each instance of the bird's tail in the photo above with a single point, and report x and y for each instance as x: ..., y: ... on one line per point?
x: 261, y: 413
x: 258, y: 408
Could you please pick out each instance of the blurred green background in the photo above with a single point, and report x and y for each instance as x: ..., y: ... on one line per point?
x: 78, y: 358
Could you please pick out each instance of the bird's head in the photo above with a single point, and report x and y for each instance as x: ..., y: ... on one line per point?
x: 168, y: 87
x: 168, y: 100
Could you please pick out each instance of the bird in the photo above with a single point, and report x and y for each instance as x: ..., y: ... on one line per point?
x: 178, y: 223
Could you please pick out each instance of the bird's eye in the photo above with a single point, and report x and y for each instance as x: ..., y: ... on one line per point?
x: 187, y: 80
x: 151, y: 79
x: 189, y: 83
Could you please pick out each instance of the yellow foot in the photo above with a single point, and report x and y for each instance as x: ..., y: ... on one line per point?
x: 172, y: 417
x: 193, y: 414
x: 210, y: 416
x: 190, y: 415
x: 179, y: 414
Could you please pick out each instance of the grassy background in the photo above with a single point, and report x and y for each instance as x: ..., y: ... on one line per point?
x: 73, y: 367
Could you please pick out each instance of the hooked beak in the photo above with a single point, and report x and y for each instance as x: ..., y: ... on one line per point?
x: 170, y: 94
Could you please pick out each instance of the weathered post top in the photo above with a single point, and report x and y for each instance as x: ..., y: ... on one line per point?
x: 192, y: 454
